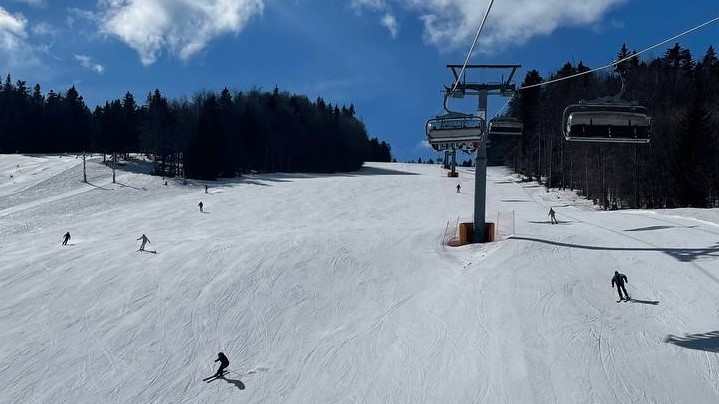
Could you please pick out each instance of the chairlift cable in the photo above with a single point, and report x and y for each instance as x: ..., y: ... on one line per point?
x: 471, y: 49
x: 702, y: 25
x: 502, y: 109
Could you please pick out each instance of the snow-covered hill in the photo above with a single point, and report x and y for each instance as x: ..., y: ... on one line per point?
x: 336, y: 289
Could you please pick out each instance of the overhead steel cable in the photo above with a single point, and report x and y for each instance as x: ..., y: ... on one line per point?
x: 471, y: 49
x: 702, y: 25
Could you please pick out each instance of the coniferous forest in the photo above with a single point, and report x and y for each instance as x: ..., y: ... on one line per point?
x: 679, y: 168
x: 211, y: 136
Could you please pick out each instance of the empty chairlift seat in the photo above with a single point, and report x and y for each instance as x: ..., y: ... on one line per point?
x: 607, y: 122
x: 501, y: 127
x: 457, y: 131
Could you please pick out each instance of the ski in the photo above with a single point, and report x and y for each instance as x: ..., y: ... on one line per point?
x: 209, y: 379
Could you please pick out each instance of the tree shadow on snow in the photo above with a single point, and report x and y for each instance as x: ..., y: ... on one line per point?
x: 380, y: 171
x: 680, y: 254
x: 132, y: 165
x: 708, y: 341
x: 130, y: 186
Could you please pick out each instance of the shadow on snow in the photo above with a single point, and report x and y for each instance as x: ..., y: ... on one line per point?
x: 708, y: 341
x: 680, y: 254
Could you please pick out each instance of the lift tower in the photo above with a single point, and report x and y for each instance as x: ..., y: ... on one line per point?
x: 482, y: 90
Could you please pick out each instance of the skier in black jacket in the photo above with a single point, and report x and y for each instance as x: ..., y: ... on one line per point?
x: 224, y: 363
x: 65, y: 238
x: 619, y: 279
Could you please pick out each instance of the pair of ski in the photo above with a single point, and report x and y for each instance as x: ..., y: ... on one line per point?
x: 215, y: 377
x: 624, y: 300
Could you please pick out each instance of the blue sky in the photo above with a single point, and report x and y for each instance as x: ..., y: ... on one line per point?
x: 385, y: 56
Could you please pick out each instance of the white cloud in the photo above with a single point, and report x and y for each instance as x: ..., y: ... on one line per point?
x: 34, y: 3
x: 375, y: 5
x: 88, y: 63
x: 390, y: 22
x: 453, y: 23
x: 14, y: 48
x: 387, y: 19
x: 181, y: 27
x: 44, y: 29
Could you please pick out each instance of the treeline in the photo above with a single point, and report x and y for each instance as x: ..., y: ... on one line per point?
x: 213, y: 135
x: 678, y: 168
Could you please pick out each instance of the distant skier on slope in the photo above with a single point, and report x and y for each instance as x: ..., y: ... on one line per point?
x: 619, y: 280
x: 224, y: 363
x: 200, y: 206
x: 458, y: 188
x: 552, y: 218
x: 145, y: 240
x: 205, y: 188
x: 65, y: 238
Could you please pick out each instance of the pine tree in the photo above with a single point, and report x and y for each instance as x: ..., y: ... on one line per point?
x: 694, y: 161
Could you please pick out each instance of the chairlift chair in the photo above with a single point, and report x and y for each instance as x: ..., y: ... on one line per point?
x: 455, y: 130
x: 505, y: 126
x: 607, y: 120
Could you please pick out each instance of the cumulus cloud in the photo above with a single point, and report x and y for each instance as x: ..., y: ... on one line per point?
x: 371, y: 4
x: 453, y: 23
x: 387, y: 18
x: 14, y: 48
x: 44, y: 29
x: 424, y: 145
x: 390, y: 22
x: 180, y: 27
x: 34, y: 3
x: 88, y: 63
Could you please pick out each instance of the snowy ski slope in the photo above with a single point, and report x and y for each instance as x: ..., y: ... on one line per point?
x: 335, y: 289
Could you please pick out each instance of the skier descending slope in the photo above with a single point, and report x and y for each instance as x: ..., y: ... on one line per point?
x: 145, y: 240
x: 552, y: 217
x: 65, y: 238
x: 224, y: 363
x: 619, y: 279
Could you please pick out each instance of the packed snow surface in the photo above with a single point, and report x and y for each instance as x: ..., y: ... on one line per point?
x: 337, y: 289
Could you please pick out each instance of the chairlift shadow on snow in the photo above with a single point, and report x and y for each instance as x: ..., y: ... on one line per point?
x: 708, y: 341
x: 680, y: 254
x: 97, y: 186
x: 650, y: 228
